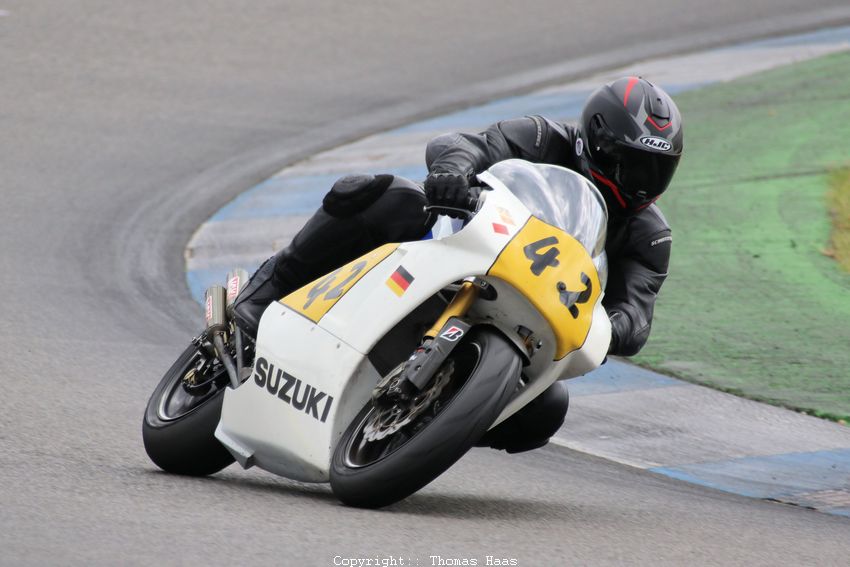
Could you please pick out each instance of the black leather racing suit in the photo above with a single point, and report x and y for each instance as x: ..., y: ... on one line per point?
x: 638, y: 246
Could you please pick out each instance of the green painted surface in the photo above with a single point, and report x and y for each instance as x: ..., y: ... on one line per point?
x: 752, y: 305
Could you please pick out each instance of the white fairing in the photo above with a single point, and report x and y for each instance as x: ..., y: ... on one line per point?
x: 271, y: 420
x: 324, y: 369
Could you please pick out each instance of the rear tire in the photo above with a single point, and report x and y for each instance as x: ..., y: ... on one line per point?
x: 179, y: 428
x: 372, y: 474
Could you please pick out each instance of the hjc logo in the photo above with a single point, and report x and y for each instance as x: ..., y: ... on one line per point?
x: 656, y: 143
x: 304, y: 397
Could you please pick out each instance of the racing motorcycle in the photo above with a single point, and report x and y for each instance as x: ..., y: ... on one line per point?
x: 378, y: 376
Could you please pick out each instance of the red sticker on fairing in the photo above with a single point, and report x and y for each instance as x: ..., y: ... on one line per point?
x: 500, y: 228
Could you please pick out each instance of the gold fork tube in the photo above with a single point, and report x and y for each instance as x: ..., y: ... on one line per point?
x: 460, y: 304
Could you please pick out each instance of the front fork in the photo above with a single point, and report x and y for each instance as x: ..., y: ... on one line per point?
x: 437, y: 344
x: 457, y: 308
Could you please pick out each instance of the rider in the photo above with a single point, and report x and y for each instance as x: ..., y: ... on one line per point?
x: 628, y: 142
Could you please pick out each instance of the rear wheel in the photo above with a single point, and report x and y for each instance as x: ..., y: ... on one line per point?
x: 182, y: 415
x: 389, y: 453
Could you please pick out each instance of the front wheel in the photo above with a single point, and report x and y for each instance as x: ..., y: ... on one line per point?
x: 387, y: 454
x: 182, y: 415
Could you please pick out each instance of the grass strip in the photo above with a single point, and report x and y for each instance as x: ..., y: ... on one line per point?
x: 752, y: 305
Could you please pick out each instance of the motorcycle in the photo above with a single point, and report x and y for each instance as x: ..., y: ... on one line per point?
x: 380, y: 375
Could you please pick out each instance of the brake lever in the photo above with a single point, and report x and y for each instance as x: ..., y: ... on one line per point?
x: 440, y: 210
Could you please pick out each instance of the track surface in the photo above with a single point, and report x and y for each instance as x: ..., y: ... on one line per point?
x: 124, y: 125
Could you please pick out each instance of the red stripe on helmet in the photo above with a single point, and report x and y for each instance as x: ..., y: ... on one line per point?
x: 657, y: 127
x: 632, y: 82
x: 610, y: 184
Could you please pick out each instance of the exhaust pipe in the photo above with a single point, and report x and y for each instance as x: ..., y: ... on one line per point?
x: 215, y: 303
x: 237, y: 279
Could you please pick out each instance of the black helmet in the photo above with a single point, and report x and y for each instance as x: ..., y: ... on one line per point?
x: 633, y: 132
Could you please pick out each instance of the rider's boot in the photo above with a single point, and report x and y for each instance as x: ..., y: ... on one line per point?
x: 262, y: 289
x: 532, y: 426
x: 359, y: 214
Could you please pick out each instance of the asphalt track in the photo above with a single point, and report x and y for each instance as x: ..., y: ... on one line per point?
x: 125, y: 125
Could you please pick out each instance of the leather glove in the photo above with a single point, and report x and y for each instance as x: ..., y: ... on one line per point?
x: 448, y: 190
x: 616, y: 321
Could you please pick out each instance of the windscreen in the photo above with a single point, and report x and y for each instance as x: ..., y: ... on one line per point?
x: 559, y: 197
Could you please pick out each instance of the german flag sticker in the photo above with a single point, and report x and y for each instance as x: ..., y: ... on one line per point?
x: 399, y: 281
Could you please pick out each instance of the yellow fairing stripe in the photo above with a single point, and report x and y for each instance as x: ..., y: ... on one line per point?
x: 556, y: 274
x: 315, y: 299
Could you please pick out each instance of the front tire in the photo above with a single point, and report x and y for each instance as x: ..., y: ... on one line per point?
x: 375, y: 473
x: 179, y: 426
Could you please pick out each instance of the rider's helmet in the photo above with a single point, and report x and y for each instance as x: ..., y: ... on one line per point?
x: 633, y: 134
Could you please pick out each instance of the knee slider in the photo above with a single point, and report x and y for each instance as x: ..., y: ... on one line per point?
x: 354, y: 193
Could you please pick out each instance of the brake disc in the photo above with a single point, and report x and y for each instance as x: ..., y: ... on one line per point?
x: 386, y: 421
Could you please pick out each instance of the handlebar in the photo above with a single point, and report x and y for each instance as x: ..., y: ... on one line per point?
x: 466, y: 212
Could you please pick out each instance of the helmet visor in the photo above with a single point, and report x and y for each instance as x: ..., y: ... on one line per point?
x: 643, y: 175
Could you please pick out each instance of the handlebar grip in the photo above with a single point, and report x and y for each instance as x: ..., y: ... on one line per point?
x: 464, y: 210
